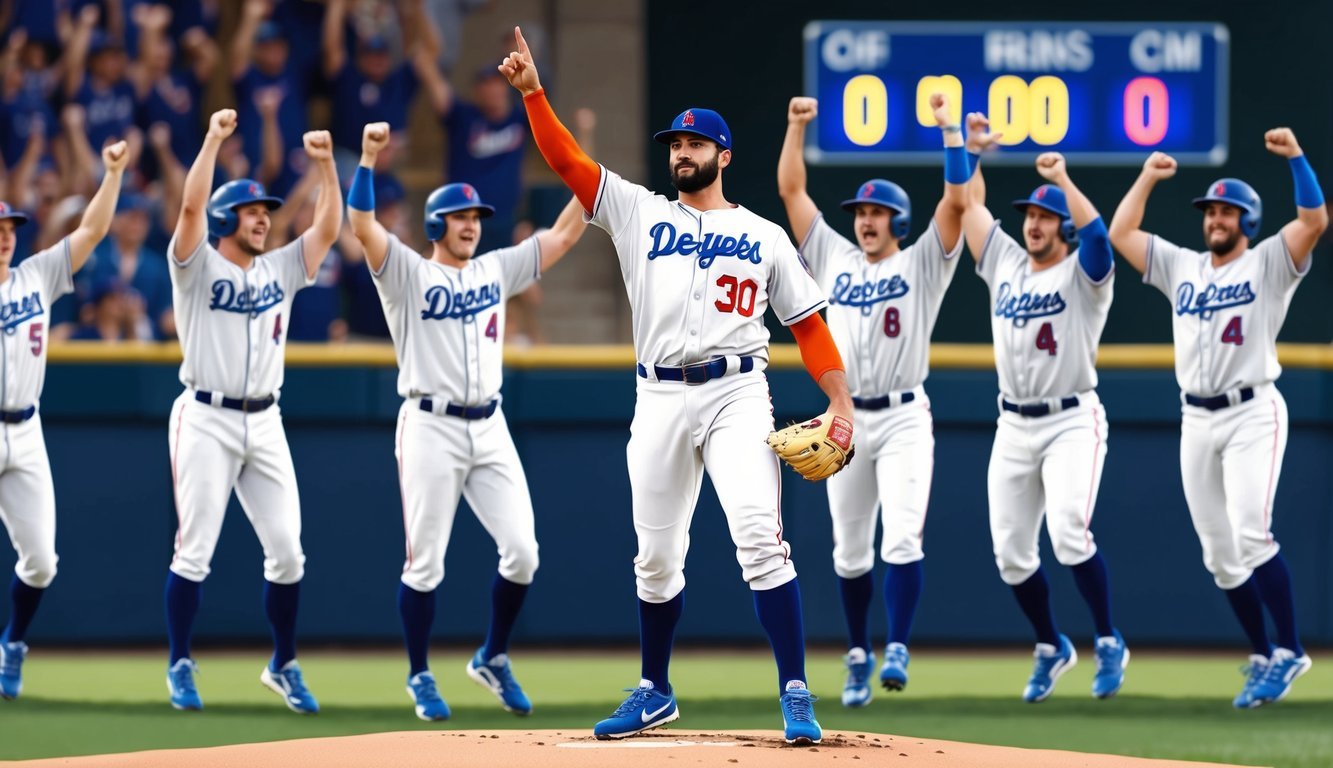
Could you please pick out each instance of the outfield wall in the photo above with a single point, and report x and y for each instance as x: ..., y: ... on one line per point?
x: 105, y: 415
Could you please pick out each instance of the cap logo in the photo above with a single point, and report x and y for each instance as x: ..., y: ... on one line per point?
x: 868, y: 190
x: 468, y: 192
x: 4, y: 208
x: 1220, y: 189
x: 1041, y: 192
x: 687, y: 119
x: 255, y: 190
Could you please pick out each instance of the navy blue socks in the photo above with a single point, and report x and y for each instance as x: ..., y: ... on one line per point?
x: 779, y: 611
x: 24, y: 600
x: 1274, y: 580
x: 902, y: 592
x: 856, y: 594
x: 1090, y: 576
x: 418, y: 612
x: 280, y: 603
x: 1249, y: 609
x: 1034, y: 597
x: 182, y: 598
x: 506, y: 600
x: 657, y: 631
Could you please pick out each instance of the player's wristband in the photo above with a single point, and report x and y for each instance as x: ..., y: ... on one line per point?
x: 974, y: 162
x: 957, y: 170
x: 361, y: 197
x: 1308, y: 193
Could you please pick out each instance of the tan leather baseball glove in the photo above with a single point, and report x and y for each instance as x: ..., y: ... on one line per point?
x: 816, y: 448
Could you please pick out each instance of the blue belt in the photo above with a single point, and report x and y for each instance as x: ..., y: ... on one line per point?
x: 881, y: 402
x: 469, y: 412
x: 1218, y: 402
x: 1039, y: 409
x: 18, y: 417
x: 237, y: 404
x: 696, y: 373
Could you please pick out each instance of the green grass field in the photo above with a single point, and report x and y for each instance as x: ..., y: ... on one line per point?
x: 1173, y: 705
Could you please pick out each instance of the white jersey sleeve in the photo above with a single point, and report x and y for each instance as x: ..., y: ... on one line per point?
x: 617, y: 203
x: 1161, y: 268
x: 289, y: 263
x: 792, y: 291
x: 183, y: 272
x: 825, y: 251
x: 999, y: 250
x: 937, y: 264
x: 520, y: 265
x: 53, y: 268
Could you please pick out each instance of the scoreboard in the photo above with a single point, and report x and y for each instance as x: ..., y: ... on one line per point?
x: 1102, y: 93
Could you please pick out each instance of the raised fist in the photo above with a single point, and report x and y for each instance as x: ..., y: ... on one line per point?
x: 1051, y: 166
x: 939, y: 104
x: 318, y: 145
x: 1282, y: 142
x: 1159, y: 165
x: 979, y: 137
x: 374, y: 138
x: 802, y: 109
x: 116, y: 156
x: 222, y: 123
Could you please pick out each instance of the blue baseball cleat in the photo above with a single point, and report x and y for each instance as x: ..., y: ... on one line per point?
x: 1112, y: 658
x: 893, y: 676
x: 1282, y: 671
x: 1254, y: 672
x: 645, y: 709
x: 288, y: 684
x: 496, y: 677
x: 430, y: 705
x: 798, y: 716
x: 1051, y: 662
x: 856, y: 693
x: 11, y: 668
x: 180, y: 684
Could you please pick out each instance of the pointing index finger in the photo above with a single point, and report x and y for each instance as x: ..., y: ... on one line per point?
x: 522, y: 44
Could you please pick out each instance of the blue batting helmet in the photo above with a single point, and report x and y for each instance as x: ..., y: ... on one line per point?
x: 222, y: 218
x: 1051, y: 198
x: 7, y: 212
x: 448, y: 199
x: 889, y: 195
x: 700, y: 122
x: 1239, y: 194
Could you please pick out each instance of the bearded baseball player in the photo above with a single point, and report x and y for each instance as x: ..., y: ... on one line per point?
x: 883, y: 298
x: 446, y: 313
x: 700, y: 272
x: 1049, y: 302
x: 233, y: 302
x: 27, y: 495
x: 1229, y: 303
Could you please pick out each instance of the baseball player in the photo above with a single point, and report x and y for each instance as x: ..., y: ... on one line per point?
x: 27, y: 496
x: 700, y: 272
x: 1229, y: 303
x: 233, y: 302
x: 446, y: 315
x: 1049, y: 302
x: 883, y: 299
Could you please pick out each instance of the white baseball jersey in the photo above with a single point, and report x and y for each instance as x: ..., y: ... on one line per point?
x: 1045, y: 324
x: 881, y: 315
x: 447, y: 323
x: 699, y: 281
x: 1226, y: 319
x: 233, y: 321
x: 25, y: 300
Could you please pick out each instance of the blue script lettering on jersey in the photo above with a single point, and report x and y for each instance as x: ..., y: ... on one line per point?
x: 250, y: 301
x: 867, y: 294
x: 1212, y: 298
x: 442, y: 303
x: 12, y: 313
x: 1025, y: 306
x: 713, y: 245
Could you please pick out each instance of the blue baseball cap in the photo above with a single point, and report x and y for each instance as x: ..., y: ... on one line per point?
x: 1047, y: 197
x: 373, y: 44
x: 268, y: 31
x: 700, y: 122
x: 132, y: 201
x: 101, y: 41
x: 7, y: 212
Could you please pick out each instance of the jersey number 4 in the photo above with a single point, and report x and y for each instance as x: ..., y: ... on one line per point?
x: 740, y: 295
x: 1232, y: 334
x: 1046, y: 339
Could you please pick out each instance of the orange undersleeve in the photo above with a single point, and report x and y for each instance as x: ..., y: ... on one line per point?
x: 579, y: 172
x: 818, y: 351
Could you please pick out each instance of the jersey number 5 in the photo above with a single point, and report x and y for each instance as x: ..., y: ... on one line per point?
x: 1232, y: 334
x: 740, y: 295
x: 35, y: 339
x: 1046, y: 339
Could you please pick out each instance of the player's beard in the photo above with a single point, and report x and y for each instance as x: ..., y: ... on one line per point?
x: 703, y: 176
x: 1225, y: 245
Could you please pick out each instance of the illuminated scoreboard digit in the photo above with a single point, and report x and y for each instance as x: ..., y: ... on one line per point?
x: 1103, y: 93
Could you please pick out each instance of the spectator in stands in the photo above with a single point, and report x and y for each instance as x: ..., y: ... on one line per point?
x: 112, y: 313
x: 27, y: 83
x: 137, y: 270
x: 96, y: 78
x: 262, y: 71
x: 365, y: 313
x: 41, y: 19
x: 315, y: 314
x: 446, y: 19
x: 169, y: 93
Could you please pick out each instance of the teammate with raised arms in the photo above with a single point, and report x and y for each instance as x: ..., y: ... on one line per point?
x: 1049, y: 302
x: 700, y: 272
x: 232, y: 302
x: 884, y: 298
x: 27, y: 494
x: 446, y: 314
x: 1228, y: 304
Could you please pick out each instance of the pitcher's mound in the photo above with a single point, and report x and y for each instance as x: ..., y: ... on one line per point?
x: 578, y: 749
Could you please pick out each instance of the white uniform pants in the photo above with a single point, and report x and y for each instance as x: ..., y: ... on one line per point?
x: 28, y: 501
x: 442, y: 457
x: 214, y: 450
x: 1045, y: 465
x: 679, y: 430
x: 889, y: 479
x: 1230, y: 460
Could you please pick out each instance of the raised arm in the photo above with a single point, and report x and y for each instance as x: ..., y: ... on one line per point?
x: 957, y: 173
x: 323, y: 232
x: 243, y: 38
x: 170, y: 170
x: 202, y: 52
x: 801, y: 209
x: 152, y: 21
x: 977, y: 219
x: 568, y: 228
x: 1302, y: 232
x: 297, y: 198
x: 557, y: 146
x: 193, y: 222
x: 1125, y: 232
x: 97, y: 216
x: 334, y: 44
x: 423, y: 56
x: 361, y: 198
x: 74, y: 61
x: 272, y: 152
x: 1094, y: 250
